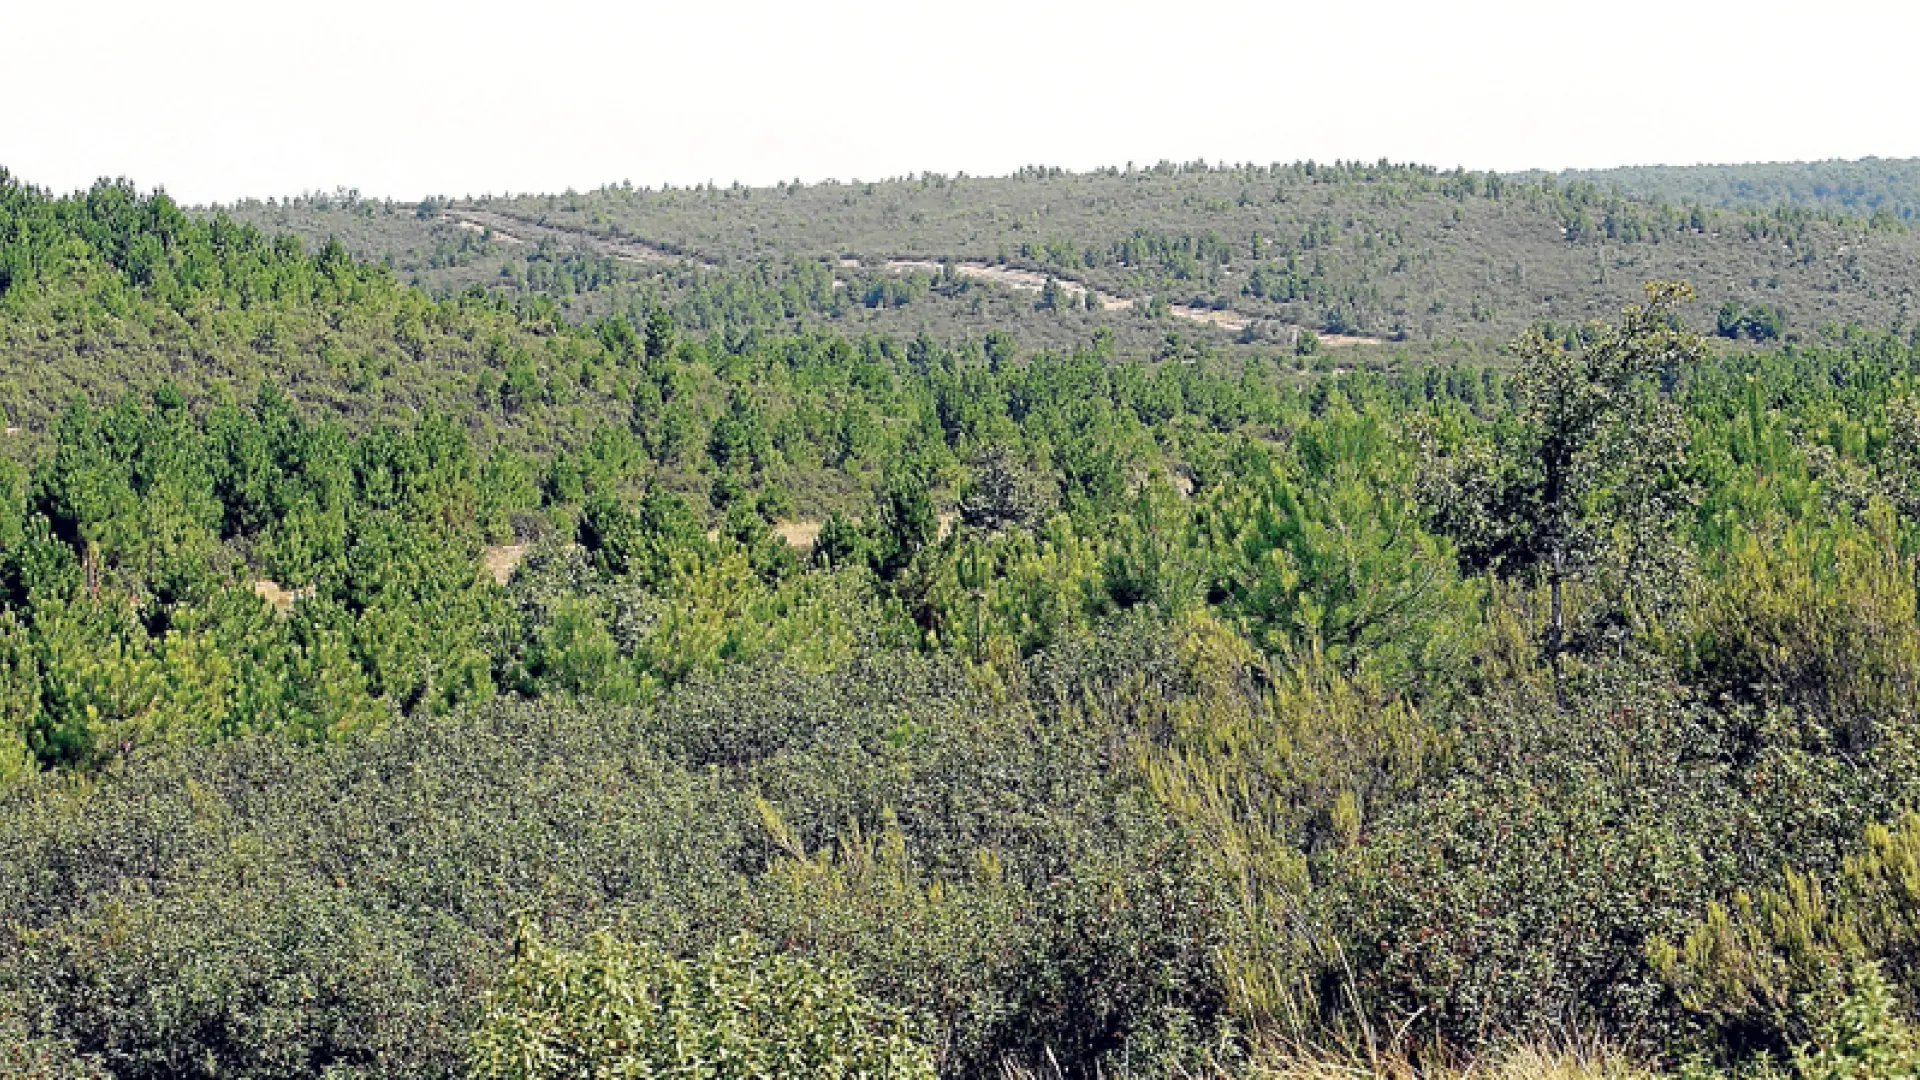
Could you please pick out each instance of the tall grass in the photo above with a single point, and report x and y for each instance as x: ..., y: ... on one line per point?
x: 1567, y: 1057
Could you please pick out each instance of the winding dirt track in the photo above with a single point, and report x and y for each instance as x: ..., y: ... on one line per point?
x: 515, y: 230
x: 510, y: 229
x: 1023, y: 280
x: 1032, y: 281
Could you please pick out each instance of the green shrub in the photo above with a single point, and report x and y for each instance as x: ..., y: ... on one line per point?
x: 738, y: 1012
x: 1825, y: 619
x: 25, y: 1054
x: 259, y: 910
x: 1099, y: 962
x: 1862, y: 1036
x: 1515, y: 889
x: 1264, y: 767
x: 1757, y: 967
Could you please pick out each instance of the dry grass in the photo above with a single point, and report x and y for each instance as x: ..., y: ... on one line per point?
x: 501, y: 561
x: 1529, y: 1062
x: 282, y: 599
x: 1569, y: 1059
x: 799, y: 534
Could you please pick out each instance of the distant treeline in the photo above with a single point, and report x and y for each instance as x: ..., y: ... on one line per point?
x: 1871, y: 187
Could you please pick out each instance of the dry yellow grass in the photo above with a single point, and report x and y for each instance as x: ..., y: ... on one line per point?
x: 1531, y: 1062
x: 799, y: 534
x: 1572, y: 1059
x: 501, y: 561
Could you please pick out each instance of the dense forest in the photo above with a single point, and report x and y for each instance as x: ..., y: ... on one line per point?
x: 703, y: 679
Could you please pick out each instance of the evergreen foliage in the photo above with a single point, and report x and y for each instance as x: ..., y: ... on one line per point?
x: 399, y: 687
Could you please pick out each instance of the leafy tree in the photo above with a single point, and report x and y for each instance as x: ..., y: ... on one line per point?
x: 1589, y: 478
x: 1002, y: 494
x: 1758, y: 323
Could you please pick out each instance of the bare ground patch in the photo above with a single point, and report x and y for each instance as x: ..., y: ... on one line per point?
x: 282, y: 600
x: 1226, y: 320
x: 1034, y: 281
x: 514, y: 230
x: 502, y: 561
x: 804, y: 533
x: 497, y: 234
x: 799, y: 534
x: 1012, y: 278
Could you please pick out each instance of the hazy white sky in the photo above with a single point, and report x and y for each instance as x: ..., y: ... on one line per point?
x: 215, y: 99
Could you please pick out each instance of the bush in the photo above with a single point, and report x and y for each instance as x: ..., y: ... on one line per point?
x: 737, y: 1012
x: 1759, y: 968
x: 1863, y: 1036
x: 264, y: 911
x: 1826, y: 621
x: 28, y: 1055
x: 1264, y: 767
x: 1515, y: 891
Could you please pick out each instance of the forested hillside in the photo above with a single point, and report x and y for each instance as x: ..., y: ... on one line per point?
x: 707, y: 680
x: 1871, y: 187
x: 1398, y: 253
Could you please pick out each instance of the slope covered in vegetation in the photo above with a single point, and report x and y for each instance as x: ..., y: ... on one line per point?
x: 1123, y: 717
x: 1400, y: 253
x: 1868, y: 187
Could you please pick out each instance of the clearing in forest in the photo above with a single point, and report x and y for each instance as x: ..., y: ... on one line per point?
x: 501, y: 561
x: 1034, y: 281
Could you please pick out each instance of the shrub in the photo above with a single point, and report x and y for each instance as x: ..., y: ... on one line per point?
x: 1863, y: 1036
x: 1828, y: 622
x: 1263, y: 768
x: 1759, y: 967
x: 27, y: 1055
x: 1516, y: 889
x: 264, y: 911
x: 1097, y: 964
x: 737, y: 1012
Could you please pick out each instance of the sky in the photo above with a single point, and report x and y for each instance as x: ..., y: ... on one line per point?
x: 215, y: 100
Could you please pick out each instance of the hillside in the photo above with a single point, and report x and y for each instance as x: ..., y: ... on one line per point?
x: 737, y: 643
x: 451, y: 249
x: 1390, y: 252
x: 1870, y: 186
